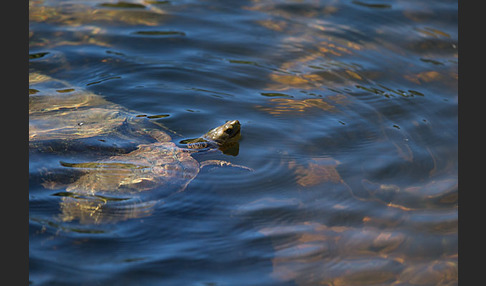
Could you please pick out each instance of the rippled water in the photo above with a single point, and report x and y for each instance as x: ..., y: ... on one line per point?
x: 349, y: 124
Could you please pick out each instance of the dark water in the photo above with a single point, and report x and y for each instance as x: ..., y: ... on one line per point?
x: 349, y: 122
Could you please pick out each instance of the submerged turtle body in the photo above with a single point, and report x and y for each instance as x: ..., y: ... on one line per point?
x: 113, y: 188
x: 149, y: 166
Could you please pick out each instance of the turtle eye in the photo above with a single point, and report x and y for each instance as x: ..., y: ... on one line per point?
x: 228, y: 131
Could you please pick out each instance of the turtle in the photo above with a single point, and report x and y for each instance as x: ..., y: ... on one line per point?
x: 113, y: 187
x: 151, y: 165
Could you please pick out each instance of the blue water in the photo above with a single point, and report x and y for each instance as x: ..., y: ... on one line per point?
x: 349, y: 123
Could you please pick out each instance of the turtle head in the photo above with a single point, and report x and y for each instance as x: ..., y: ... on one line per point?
x: 224, y: 134
x: 224, y: 137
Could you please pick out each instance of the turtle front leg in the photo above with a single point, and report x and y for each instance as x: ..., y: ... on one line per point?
x: 220, y: 163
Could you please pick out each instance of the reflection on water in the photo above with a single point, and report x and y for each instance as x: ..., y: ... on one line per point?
x: 345, y: 173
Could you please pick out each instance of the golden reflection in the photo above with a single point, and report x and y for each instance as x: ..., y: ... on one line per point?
x: 315, y: 69
x: 81, y: 21
x: 432, y: 32
x: 284, y: 105
x: 421, y: 13
x: 83, y: 14
x: 312, y: 63
x: 424, y: 77
x: 331, y: 48
x: 439, y: 272
x: 309, y: 258
x: 338, y: 255
x: 435, y: 193
x: 277, y: 8
x: 317, y: 171
x: 273, y: 25
x: 289, y: 81
x: 354, y: 75
x: 279, y: 106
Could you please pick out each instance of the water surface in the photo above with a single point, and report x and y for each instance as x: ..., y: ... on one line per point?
x: 349, y: 122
